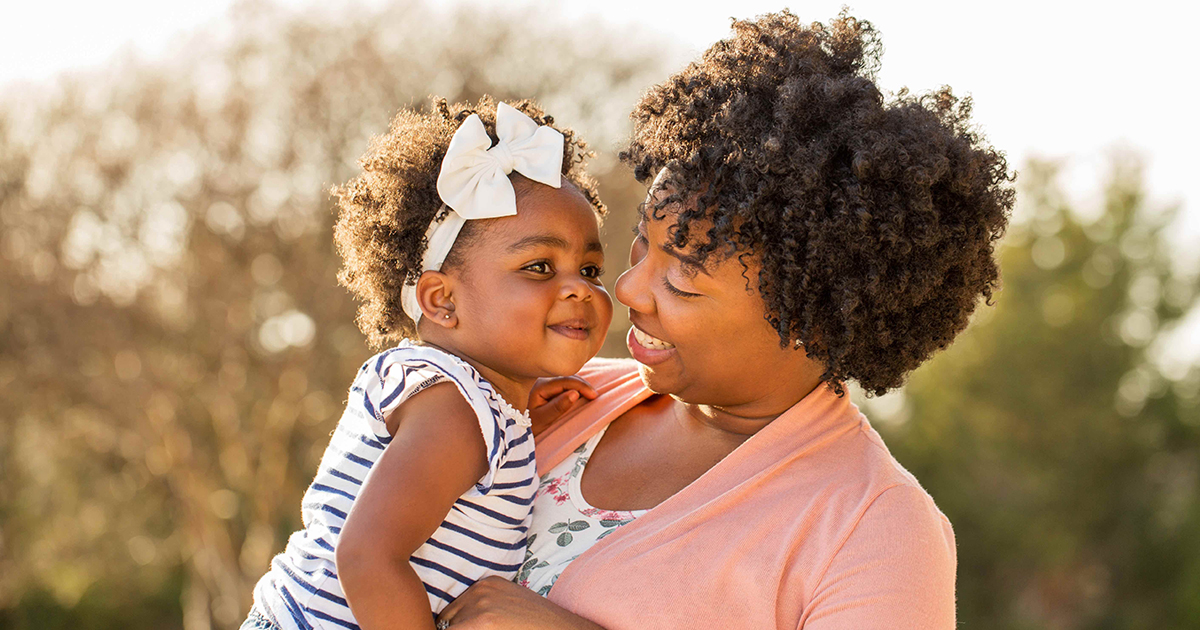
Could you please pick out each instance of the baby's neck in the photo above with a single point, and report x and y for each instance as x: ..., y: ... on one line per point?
x: 514, y: 390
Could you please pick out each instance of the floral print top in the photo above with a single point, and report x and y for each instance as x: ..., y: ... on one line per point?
x: 564, y: 525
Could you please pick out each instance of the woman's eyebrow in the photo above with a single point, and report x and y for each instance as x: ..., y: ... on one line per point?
x: 691, y: 264
x: 642, y: 215
x: 549, y: 240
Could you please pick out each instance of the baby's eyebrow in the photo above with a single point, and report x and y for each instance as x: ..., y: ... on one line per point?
x: 549, y: 240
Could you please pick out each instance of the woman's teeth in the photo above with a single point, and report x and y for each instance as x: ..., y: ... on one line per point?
x: 653, y: 343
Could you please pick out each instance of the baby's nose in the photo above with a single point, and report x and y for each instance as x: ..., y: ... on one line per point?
x: 575, y: 288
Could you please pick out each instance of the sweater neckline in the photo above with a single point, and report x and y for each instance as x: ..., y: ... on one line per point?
x: 802, y: 427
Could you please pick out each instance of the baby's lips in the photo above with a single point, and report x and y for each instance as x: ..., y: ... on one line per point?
x: 578, y: 322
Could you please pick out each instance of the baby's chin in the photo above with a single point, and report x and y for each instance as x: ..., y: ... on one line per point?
x: 564, y: 368
x: 568, y: 359
x: 566, y: 365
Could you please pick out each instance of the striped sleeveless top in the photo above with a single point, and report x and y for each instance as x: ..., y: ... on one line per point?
x: 484, y: 533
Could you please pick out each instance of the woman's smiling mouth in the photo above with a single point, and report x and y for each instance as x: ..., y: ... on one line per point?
x: 648, y: 341
x: 646, y: 348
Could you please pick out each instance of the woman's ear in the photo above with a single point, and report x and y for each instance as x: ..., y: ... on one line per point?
x: 435, y: 293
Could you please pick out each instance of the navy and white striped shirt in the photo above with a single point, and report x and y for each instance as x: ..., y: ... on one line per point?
x: 484, y: 533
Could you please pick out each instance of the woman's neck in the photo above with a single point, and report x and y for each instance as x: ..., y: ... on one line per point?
x: 749, y: 417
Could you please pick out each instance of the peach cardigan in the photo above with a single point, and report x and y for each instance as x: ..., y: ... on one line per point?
x: 808, y: 524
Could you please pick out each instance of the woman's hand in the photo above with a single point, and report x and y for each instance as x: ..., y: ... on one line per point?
x: 496, y: 604
x: 551, y: 397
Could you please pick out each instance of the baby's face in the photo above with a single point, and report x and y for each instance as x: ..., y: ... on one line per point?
x: 530, y: 302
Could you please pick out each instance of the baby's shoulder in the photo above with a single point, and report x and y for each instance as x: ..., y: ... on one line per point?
x: 409, y: 368
x: 411, y: 365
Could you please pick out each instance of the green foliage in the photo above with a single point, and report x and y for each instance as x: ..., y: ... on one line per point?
x: 102, y: 607
x: 1050, y: 436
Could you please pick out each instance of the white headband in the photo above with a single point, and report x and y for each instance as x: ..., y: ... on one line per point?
x: 474, y: 183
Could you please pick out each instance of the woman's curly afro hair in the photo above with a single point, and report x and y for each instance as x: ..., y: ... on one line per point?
x: 874, y: 220
x: 385, y: 212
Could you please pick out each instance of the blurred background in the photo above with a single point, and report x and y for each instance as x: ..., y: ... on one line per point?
x: 174, y: 347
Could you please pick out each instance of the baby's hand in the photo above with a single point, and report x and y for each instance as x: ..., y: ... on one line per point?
x: 551, y: 397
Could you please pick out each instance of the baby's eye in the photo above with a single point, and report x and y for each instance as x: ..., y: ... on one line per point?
x: 592, y: 271
x: 540, y: 266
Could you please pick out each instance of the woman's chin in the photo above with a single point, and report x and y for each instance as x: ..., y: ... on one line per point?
x: 656, y: 380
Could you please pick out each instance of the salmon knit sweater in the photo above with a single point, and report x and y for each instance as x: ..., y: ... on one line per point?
x: 811, y: 523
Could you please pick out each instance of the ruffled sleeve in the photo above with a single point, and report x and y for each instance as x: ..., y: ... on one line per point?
x: 390, y: 378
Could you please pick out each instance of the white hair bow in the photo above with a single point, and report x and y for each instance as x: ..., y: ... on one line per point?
x: 474, y: 182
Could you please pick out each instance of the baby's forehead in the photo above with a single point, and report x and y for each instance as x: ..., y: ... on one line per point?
x: 523, y: 187
x: 553, y: 218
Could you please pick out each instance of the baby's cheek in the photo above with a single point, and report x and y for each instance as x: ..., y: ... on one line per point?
x: 605, y: 308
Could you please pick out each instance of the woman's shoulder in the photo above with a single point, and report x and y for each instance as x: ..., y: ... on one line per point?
x: 896, y: 507
x: 891, y: 476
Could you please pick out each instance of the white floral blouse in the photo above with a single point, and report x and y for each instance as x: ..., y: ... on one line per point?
x: 564, y: 524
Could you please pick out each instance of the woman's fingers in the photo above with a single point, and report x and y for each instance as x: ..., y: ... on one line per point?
x: 465, y: 611
x: 496, y: 604
x: 451, y: 609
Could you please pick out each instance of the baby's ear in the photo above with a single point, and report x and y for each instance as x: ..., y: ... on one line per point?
x: 435, y: 293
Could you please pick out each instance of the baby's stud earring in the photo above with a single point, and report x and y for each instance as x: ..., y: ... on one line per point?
x: 447, y: 315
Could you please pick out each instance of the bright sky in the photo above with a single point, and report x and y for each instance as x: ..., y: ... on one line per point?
x: 1051, y: 78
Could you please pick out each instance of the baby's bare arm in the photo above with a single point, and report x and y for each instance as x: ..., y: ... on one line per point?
x: 436, y: 454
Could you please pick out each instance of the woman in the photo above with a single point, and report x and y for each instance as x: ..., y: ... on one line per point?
x: 799, y: 233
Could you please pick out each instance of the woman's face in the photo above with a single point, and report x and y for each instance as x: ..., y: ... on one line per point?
x: 699, y: 330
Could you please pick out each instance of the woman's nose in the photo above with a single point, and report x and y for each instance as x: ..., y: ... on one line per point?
x: 633, y: 290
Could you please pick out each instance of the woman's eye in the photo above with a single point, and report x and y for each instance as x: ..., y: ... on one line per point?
x: 672, y: 289
x: 538, y: 267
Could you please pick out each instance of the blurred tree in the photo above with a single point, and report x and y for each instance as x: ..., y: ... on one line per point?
x: 1061, y: 447
x: 174, y: 348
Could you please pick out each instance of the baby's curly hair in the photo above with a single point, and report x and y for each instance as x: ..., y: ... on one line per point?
x: 385, y: 212
x: 874, y: 220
